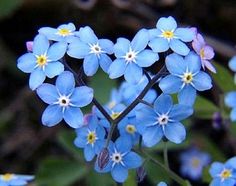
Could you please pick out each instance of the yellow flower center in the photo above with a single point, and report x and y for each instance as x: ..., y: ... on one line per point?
x: 64, y: 32
x: 226, y: 173
x: 7, y: 177
x: 130, y: 129
x: 41, y: 60
x: 115, y: 115
x: 91, y: 138
x: 168, y: 34
x: 195, y: 162
x: 202, y: 53
x: 187, y: 78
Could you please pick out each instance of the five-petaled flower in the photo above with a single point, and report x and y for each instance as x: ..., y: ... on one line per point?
x: 9, y: 179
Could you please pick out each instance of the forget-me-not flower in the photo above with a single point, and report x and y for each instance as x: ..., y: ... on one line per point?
x: 167, y: 35
x: 9, y: 179
x: 163, y: 120
x: 43, y: 61
x: 93, y: 50
x: 64, y: 101
x: 131, y: 57
x: 185, y: 77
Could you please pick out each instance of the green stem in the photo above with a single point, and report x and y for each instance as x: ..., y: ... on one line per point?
x: 165, y: 151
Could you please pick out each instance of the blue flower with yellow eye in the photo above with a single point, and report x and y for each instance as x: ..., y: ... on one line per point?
x: 65, y: 32
x: 132, y: 57
x: 9, y: 179
x: 90, y: 137
x: 167, y: 35
x: 93, y: 50
x: 64, y: 101
x: 43, y: 61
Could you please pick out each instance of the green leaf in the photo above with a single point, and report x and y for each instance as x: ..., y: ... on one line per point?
x: 59, y: 172
x: 204, y: 108
x: 100, y: 179
x: 102, y: 86
x: 7, y: 7
x: 206, y: 177
x: 223, y: 78
x: 131, y: 180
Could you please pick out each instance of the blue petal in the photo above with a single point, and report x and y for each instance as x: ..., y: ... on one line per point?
x: 117, y: 68
x: 187, y: 95
x: 159, y: 44
x: 233, y: 114
x: 37, y: 77
x: 230, y: 99
x: 69, y: 26
x: 80, y: 141
x: 89, y: 153
x: 17, y: 182
x: 180, y: 112
x: 228, y: 182
x: 53, y: 69
x: 132, y: 160
x: 87, y: 35
x: 185, y: 34
x: 146, y: 58
x: 170, y: 84
x: 140, y: 40
x: 90, y: 64
x: 154, y: 33
x: 216, y: 182
x: 176, y: 64
x: 121, y: 47
x: 78, y: 49
x: 41, y: 45
x: 133, y: 73
x: 119, y: 173
x: 152, y: 136
x: 163, y: 104
x: 231, y: 162
x: 57, y: 51
x: 65, y: 83
x: 194, y: 62
x: 216, y: 168
x: 232, y: 64
x: 175, y: 132
x: 166, y: 24
x: 120, y: 145
x: 81, y: 96
x: 26, y: 62
x: 49, y: 32
x: 146, y: 116
x: 48, y: 93
x: 73, y: 117
x: 52, y: 115
x: 162, y: 184
x: 106, y: 45
x: 105, y: 62
x: 202, y: 81
x: 179, y: 47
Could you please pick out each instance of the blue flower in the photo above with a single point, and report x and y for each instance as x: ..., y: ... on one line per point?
x: 121, y: 160
x: 230, y: 101
x: 185, y: 77
x: 232, y: 64
x: 64, y: 101
x: 90, y: 137
x: 93, y: 50
x: 193, y: 162
x: 162, y: 184
x: 223, y: 174
x: 43, y: 61
x: 131, y: 57
x: 14, y: 179
x: 65, y: 32
x: 162, y: 120
x: 167, y: 35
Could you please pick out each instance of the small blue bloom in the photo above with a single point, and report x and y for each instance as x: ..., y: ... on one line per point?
x: 65, y: 32
x: 162, y: 120
x: 93, y: 50
x: 230, y: 101
x: 185, y: 77
x: 14, y: 179
x: 223, y: 174
x: 121, y: 160
x: 43, y: 62
x: 162, y: 184
x: 167, y: 35
x: 232, y: 64
x: 192, y: 163
x: 64, y: 101
x: 131, y: 57
x: 90, y: 137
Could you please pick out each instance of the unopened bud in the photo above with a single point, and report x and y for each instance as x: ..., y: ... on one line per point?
x: 217, y: 120
x: 103, y: 158
x: 29, y: 46
x: 141, y: 173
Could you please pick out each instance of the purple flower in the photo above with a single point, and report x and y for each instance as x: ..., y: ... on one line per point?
x: 205, y: 52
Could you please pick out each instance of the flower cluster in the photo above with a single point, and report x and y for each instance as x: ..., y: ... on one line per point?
x: 9, y: 179
x: 223, y: 174
x: 135, y: 112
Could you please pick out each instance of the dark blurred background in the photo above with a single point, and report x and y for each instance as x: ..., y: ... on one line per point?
x: 24, y: 142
